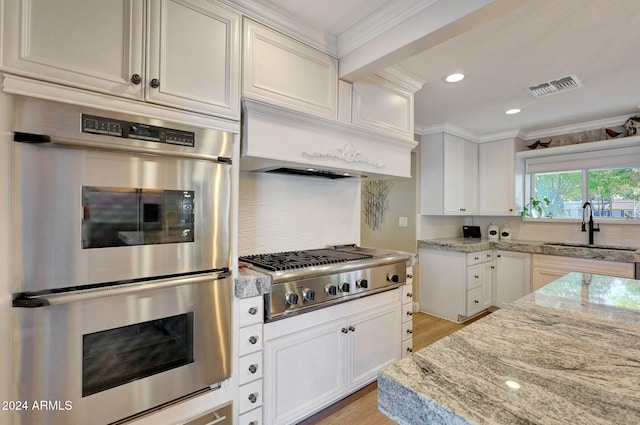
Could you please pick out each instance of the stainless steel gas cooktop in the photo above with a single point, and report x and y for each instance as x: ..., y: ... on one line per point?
x: 310, y: 279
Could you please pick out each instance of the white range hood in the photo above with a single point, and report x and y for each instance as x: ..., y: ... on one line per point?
x: 281, y: 140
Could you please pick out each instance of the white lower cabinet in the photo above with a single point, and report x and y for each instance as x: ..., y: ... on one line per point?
x: 317, y: 358
x: 250, y: 365
x: 512, y: 276
x: 455, y: 285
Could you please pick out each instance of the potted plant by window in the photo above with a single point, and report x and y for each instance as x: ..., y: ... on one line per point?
x: 536, y: 208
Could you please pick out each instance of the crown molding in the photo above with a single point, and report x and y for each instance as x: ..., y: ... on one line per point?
x: 447, y: 128
x: 287, y: 24
x: 520, y: 134
x: 574, y: 128
x: 402, y: 78
x: 379, y: 22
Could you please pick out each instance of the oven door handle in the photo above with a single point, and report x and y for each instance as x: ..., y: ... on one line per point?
x: 30, y: 300
x: 44, y: 140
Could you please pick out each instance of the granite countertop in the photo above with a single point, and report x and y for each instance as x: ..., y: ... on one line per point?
x: 598, y: 252
x: 251, y: 283
x: 568, y: 353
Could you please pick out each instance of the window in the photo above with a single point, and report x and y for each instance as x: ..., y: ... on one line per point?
x: 613, y: 192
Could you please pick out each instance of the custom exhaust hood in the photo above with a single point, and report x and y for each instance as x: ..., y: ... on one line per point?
x: 279, y: 140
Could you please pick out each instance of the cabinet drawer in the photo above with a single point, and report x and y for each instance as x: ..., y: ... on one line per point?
x: 250, y: 396
x: 407, y: 330
x: 409, y: 275
x: 474, y: 276
x: 253, y: 417
x: 250, y: 367
x: 407, y: 294
x: 250, y: 339
x: 479, y: 257
x: 251, y: 311
x: 407, y: 348
x: 474, y: 301
x: 407, y: 312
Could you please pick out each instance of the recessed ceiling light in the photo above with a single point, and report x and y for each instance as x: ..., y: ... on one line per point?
x: 311, y: 169
x: 454, y: 78
x: 513, y: 111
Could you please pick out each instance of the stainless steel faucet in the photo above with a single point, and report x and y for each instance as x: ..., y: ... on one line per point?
x: 592, y: 227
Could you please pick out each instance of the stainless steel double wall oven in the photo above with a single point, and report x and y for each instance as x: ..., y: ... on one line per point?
x: 123, y: 292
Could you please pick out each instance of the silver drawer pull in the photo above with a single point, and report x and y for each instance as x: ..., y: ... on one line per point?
x: 409, y: 313
x: 409, y: 295
x: 352, y: 329
x: 253, y: 397
x: 409, y: 331
x: 253, y: 339
x: 409, y: 350
x: 253, y: 368
x: 253, y: 311
x: 409, y: 276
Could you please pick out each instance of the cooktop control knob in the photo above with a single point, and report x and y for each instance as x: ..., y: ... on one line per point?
x: 393, y: 278
x: 362, y: 283
x: 331, y: 289
x: 308, y: 294
x: 345, y: 286
x: 291, y: 298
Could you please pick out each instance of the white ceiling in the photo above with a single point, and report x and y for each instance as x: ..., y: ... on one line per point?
x: 595, y: 40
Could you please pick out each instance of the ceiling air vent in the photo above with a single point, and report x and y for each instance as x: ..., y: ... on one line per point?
x: 555, y: 86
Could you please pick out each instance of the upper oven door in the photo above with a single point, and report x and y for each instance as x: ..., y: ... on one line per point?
x: 88, y: 215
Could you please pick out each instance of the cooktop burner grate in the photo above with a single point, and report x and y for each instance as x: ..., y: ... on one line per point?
x: 299, y: 259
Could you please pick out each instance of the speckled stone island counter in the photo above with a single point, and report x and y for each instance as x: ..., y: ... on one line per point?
x: 568, y: 353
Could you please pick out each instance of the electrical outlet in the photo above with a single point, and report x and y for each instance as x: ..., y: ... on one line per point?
x: 404, y: 222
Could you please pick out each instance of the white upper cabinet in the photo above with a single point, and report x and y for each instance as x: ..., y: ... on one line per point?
x: 191, y: 56
x: 194, y: 57
x: 91, y: 44
x: 449, y: 177
x: 496, y: 178
x: 284, y: 72
x: 383, y: 106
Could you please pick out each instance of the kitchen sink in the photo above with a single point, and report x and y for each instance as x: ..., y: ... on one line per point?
x: 584, y: 245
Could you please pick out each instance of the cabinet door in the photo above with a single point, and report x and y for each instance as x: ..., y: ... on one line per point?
x: 91, y: 44
x: 443, y: 276
x: 496, y: 178
x: 374, y: 342
x: 383, y: 106
x: 460, y: 176
x: 487, y: 285
x: 304, y: 371
x: 284, y: 72
x: 513, y: 271
x: 194, y: 57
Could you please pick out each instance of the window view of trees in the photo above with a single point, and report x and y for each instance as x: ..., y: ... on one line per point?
x: 613, y: 192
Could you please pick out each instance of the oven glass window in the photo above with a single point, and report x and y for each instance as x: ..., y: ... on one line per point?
x: 116, y: 356
x: 123, y: 216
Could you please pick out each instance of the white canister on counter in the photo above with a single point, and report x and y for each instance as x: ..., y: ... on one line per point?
x: 505, y: 232
x: 493, y: 231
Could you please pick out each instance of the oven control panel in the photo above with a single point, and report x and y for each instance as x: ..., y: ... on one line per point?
x: 131, y: 130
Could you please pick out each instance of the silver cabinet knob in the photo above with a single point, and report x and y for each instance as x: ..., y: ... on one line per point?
x: 253, y: 368
x: 253, y: 311
x: 253, y: 339
x: 253, y: 397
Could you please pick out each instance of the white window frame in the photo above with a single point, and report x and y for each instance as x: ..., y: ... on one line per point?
x: 620, y: 157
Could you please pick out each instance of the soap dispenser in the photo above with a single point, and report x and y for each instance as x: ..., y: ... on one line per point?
x: 505, y: 232
x: 493, y: 231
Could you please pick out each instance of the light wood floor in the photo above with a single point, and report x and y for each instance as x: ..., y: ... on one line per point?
x: 361, y: 408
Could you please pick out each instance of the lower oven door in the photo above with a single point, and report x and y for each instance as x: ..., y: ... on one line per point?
x: 101, y: 360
